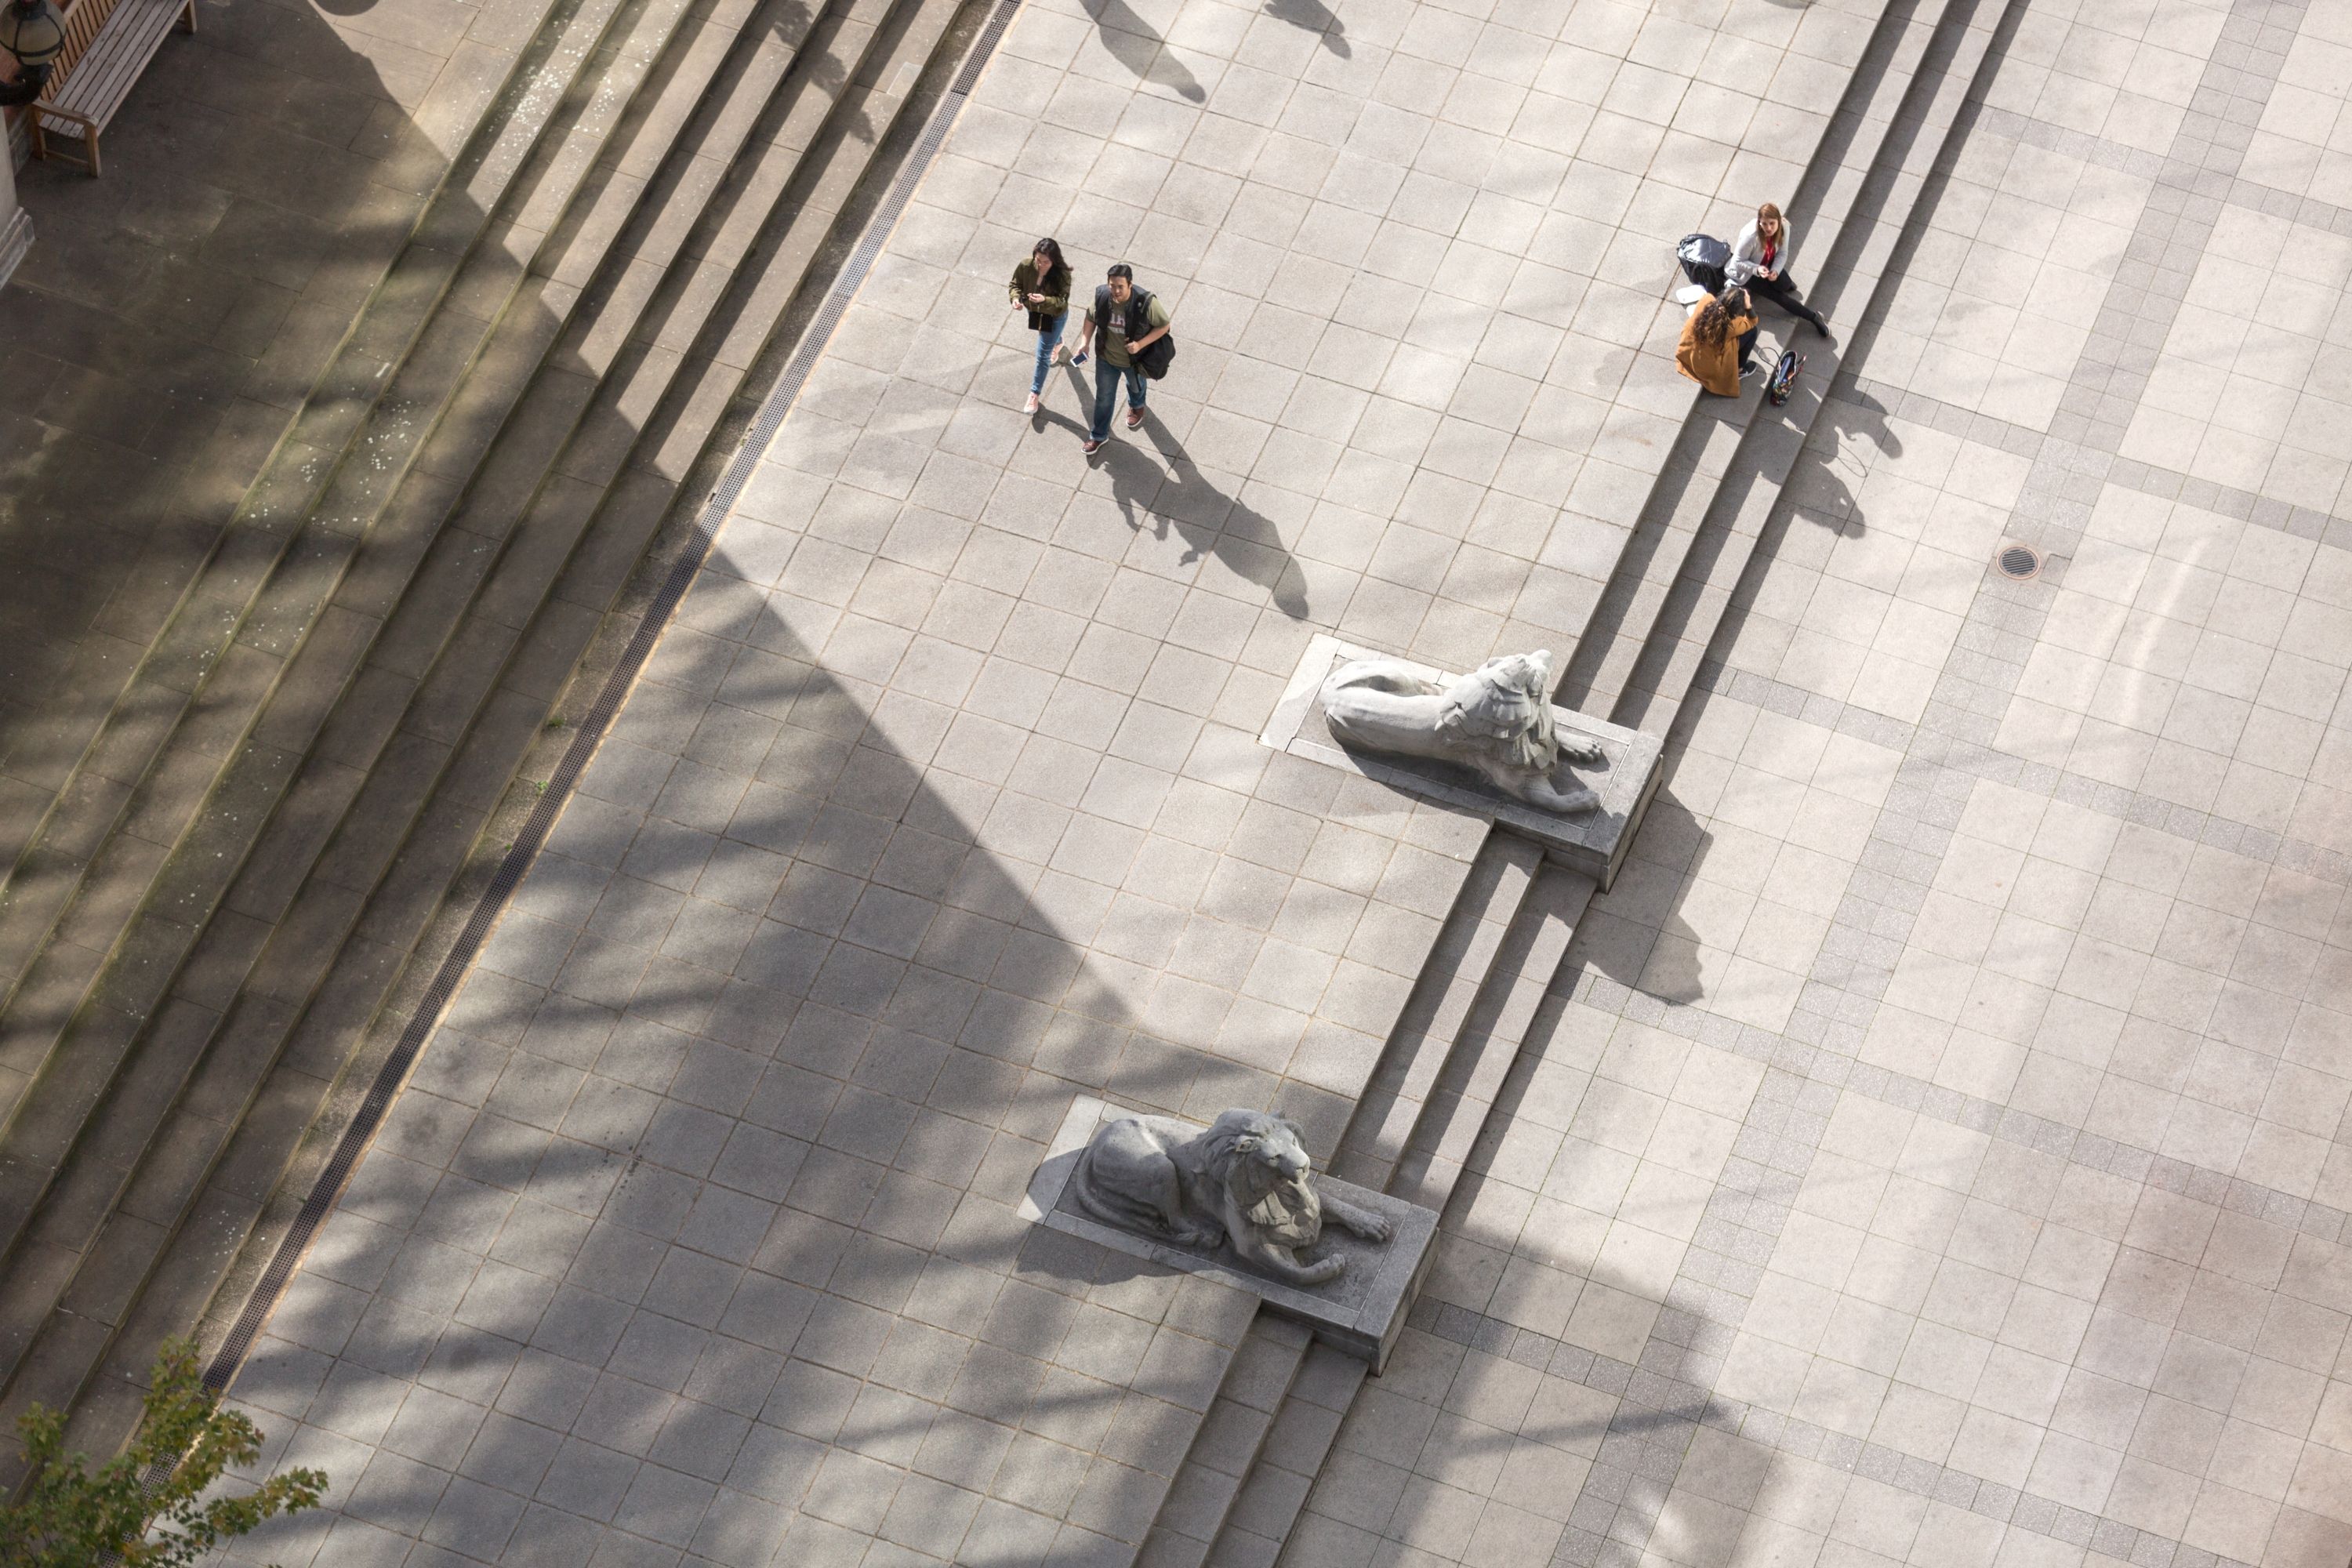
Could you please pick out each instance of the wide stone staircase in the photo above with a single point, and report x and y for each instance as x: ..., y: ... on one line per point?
x: 234, y: 880
x: 1506, y: 943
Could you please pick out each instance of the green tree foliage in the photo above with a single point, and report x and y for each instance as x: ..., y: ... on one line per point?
x: 70, y: 1516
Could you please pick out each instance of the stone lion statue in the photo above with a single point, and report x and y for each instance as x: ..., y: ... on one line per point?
x: 1497, y: 719
x: 1245, y: 1181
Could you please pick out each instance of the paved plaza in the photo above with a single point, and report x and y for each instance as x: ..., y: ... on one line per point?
x: 1934, y: 1148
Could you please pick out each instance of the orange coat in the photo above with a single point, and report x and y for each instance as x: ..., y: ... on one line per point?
x: 1717, y: 370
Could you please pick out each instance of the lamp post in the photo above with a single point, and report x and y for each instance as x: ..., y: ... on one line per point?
x: 35, y: 32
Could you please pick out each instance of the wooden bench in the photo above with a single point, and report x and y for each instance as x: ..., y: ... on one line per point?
x: 82, y: 100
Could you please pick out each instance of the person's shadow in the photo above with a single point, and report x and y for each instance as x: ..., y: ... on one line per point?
x: 1133, y: 43
x: 1314, y: 16
x: 1178, y: 498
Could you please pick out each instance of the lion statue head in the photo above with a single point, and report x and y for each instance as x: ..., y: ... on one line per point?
x: 1261, y: 1161
x: 1504, y: 708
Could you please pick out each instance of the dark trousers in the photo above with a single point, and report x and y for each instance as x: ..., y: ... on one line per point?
x: 1748, y: 348
x: 1107, y: 379
x: 1782, y: 291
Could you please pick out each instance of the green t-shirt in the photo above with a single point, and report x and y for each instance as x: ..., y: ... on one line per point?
x: 1112, y: 344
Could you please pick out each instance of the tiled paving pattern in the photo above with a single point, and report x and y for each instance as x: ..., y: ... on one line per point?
x: 941, y: 797
x: 1984, y: 1147
x: 1931, y: 1153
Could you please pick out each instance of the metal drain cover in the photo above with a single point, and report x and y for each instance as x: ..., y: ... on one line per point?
x: 2018, y: 561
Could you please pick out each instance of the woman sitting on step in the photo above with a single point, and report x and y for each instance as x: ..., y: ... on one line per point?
x: 1759, y: 259
x: 1718, y: 335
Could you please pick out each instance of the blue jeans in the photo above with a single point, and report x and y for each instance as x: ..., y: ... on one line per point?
x: 1049, y: 341
x: 1106, y: 380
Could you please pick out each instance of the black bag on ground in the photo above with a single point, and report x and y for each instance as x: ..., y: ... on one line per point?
x: 1704, y: 258
x: 1785, y: 371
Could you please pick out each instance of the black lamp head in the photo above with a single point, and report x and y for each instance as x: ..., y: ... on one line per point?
x: 33, y: 31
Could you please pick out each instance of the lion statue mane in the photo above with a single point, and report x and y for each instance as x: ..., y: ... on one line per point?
x: 1497, y: 719
x: 1245, y: 1181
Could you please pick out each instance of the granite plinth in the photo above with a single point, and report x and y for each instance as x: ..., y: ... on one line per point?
x: 1593, y: 842
x: 1362, y: 1312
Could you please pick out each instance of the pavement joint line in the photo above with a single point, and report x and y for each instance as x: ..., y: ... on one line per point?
x: 1622, y: 1496
x: 2253, y: 195
x: 393, y: 1075
x: 1659, y: 1412
x: 2136, y: 806
x: 2147, y: 478
x: 1817, y: 1062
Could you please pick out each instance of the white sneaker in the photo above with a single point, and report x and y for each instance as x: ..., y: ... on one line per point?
x: 1032, y: 406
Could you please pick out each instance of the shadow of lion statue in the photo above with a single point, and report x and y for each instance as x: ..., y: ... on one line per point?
x: 1497, y: 719
x: 1243, y: 1181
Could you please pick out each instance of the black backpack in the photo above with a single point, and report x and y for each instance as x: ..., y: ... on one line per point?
x: 1155, y: 360
x: 1703, y: 259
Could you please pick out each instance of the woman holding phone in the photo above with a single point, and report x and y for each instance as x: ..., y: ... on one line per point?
x: 1041, y: 285
x: 1759, y: 259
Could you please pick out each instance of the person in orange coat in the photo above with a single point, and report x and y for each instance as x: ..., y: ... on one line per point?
x: 1718, y: 337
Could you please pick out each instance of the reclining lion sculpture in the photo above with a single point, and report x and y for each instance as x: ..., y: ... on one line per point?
x: 1245, y: 1181
x: 1497, y: 719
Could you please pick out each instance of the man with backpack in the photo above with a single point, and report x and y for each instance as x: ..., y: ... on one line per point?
x: 1129, y: 329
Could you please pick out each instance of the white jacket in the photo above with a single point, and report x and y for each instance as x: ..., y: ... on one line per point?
x: 1748, y: 252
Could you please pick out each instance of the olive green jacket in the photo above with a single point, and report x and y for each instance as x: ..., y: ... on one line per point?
x: 1025, y: 283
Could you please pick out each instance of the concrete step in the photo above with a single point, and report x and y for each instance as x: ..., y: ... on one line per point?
x: 1450, y: 1123
x: 1693, y: 610
x: 1258, y: 1384
x: 322, y: 971
x: 1275, y: 1488
x: 1435, y: 1014
x: 295, y: 718
x: 204, y: 655
x: 1721, y: 433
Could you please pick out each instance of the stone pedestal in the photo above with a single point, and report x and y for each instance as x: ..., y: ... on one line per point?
x: 1362, y: 1312
x: 15, y: 223
x: 1593, y: 842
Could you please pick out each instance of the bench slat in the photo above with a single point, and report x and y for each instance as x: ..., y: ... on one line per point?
x: 99, y: 93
